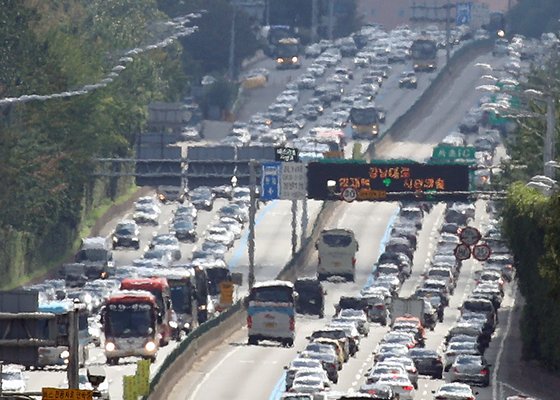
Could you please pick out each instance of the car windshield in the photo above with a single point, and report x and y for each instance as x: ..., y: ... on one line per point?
x: 129, y: 320
x: 277, y: 294
x: 92, y: 255
x: 336, y: 240
x: 124, y: 229
x: 363, y: 115
x: 11, y: 376
x: 181, y: 298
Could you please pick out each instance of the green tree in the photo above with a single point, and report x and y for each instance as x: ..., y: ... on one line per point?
x: 534, y: 17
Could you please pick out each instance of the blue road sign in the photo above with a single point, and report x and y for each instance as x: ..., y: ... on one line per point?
x: 270, y: 186
x: 463, y: 13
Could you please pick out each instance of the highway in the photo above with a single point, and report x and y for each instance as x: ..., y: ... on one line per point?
x: 235, y: 370
x: 273, y: 243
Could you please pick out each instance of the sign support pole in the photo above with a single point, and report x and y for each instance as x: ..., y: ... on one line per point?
x: 73, y: 350
x: 304, y: 220
x: 294, y: 226
x: 252, y: 213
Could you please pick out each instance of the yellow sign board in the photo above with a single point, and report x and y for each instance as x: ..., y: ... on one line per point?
x: 143, y: 377
x: 66, y: 394
x: 130, y: 387
x: 226, y: 293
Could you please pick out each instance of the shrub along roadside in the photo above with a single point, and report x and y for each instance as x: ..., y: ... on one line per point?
x: 531, y: 223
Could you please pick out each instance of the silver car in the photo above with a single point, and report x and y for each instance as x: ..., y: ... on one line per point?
x: 470, y: 369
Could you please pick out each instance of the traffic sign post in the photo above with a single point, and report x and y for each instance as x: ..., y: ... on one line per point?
x: 462, y: 252
x: 270, y: 188
x: 463, y: 13
x: 470, y: 236
x: 293, y: 181
x: 388, y: 181
x: 66, y: 394
x: 449, y: 153
x: 481, y: 252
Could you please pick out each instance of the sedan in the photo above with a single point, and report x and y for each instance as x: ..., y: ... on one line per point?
x: 408, y: 80
x: 184, y: 230
x: 146, y: 214
x: 454, y: 391
x: 220, y: 235
x: 167, y: 242
x: 470, y: 369
x: 400, y: 384
x: 235, y: 211
x: 202, y: 198
x: 428, y: 362
x: 386, y: 350
x: 308, y: 384
x: 232, y: 225
x: 454, y: 349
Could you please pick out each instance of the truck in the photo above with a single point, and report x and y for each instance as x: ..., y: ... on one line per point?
x: 96, y: 255
x: 286, y: 53
x: 410, y: 307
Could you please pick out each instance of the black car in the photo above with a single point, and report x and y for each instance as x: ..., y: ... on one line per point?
x: 224, y: 191
x: 184, y: 229
x: 202, y: 198
x: 408, y: 80
x: 311, y: 296
x: 126, y: 235
x: 427, y: 362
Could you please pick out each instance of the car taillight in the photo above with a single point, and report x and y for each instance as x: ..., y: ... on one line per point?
x: 413, y: 370
x: 292, y: 323
x: 408, y: 388
x: 353, y: 261
x: 410, y: 345
x: 484, y: 372
x: 455, y: 369
x: 380, y: 306
x: 249, y: 322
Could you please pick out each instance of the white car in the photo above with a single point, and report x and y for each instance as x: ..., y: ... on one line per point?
x: 232, y: 225
x: 308, y: 384
x: 400, y: 384
x: 221, y: 235
x: 454, y: 391
x: 13, y: 379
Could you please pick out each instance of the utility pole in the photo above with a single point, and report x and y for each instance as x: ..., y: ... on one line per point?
x: 73, y: 350
x: 231, y: 69
x: 447, y: 32
x: 267, y: 13
x: 331, y: 19
x: 1, y: 372
x: 252, y: 213
x: 314, y: 19
x: 294, y: 227
x: 304, y: 220
x: 550, y: 137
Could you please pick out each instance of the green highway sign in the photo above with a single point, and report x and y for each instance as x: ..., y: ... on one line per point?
x: 453, y: 153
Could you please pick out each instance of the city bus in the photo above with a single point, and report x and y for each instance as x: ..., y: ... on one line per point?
x: 271, y: 312
x: 364, y: 120
x: 130, y: 325
x: 423, y: 52
x: 159, y: 287
x: 182, y: 285
x: 59, y: 355
x: 337, y: 250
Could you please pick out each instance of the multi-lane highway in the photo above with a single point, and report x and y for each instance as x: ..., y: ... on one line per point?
x: 255, y: 372
x: 235, y: 370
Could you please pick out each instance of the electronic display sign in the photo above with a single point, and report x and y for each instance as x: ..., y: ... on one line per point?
x: 387, y: 181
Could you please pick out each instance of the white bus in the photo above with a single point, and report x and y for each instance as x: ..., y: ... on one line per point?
x: 271, y: 313
x: 337, y: 253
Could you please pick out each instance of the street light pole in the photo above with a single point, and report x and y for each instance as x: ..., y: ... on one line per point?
x: 550, y: 137
x: 447, y: 32
x: 252, y: 213
x: 231, y: 69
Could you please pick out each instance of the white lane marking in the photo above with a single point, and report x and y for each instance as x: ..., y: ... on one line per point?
x: 211, y: 373
x: 501, y: 349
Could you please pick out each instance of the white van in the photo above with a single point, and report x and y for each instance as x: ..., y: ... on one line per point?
x: 337, y: 253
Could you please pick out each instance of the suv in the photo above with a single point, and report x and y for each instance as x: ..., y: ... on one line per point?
x: 311, y: 296
x: 408, y: 80
x: 126, y: 234
x: 95, y: 253
x: 171, y: 193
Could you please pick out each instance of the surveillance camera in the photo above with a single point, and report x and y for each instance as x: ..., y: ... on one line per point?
x: 96, y: 375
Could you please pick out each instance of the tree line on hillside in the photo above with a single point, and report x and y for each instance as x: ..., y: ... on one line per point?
x: 534, y: 17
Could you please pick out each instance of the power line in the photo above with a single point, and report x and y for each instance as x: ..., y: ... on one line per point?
x: 180, y: 30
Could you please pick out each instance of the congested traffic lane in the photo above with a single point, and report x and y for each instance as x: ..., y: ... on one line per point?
x: 236, y: 367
